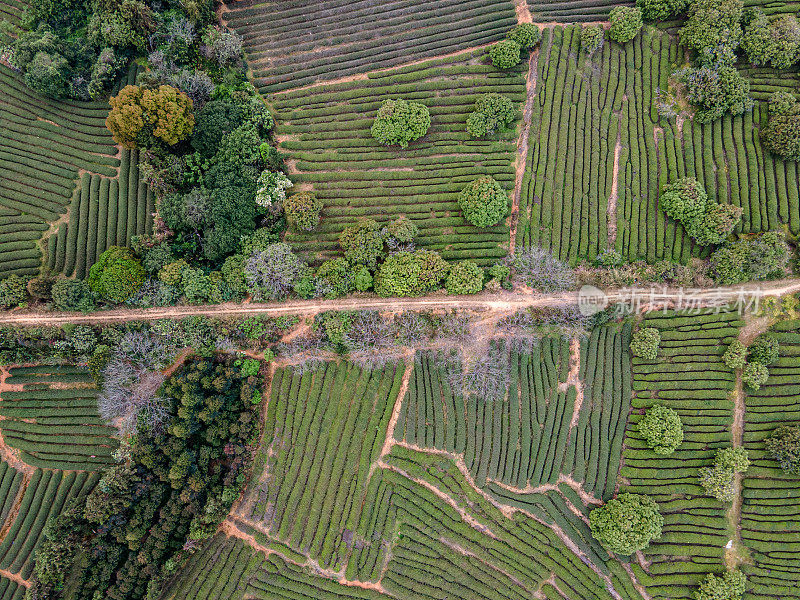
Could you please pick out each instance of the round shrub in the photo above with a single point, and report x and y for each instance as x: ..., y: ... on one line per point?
x: 764, y: 350
x: 362, y: 243
x: 735, y: 459
x: 464, y: 278
x: 335, y: 277
x: 72, y: 294
x: 505, y: 54
x: 592, y: 38
x: 402, y: 230
x: 662, y: 429
x: 527, y: 35
x: 784, y: 446
x: 117, y: 275
x: 717, y: 224
x: 138, y: 114
x: 493, y: 112
x: 684, y: 200
x: 730, y: 586
x: 627, y: 523
x: 362, y: 279
x: 400, y: 122
x: 273, y: 272
x: 717, y: 482
x: 410, y: 273
x: 626, y: 21
x: 302, y: 211
x: 645, y: 342
x: 754, y: 376
x: 484, y: 202
x: 735, y: 356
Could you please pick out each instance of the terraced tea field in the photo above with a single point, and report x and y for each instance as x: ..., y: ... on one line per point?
x: 331, y: 39
x: 326, y: 129
x: 48, y: 150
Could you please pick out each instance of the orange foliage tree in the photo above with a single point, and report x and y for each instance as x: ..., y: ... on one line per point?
x: 137, y: 114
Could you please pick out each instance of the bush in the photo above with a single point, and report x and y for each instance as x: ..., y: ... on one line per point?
x: 781, y: 135
x: 410, y: 273
x: 713, y: 30
x: 592, y: 38
x: 117, y: 275
x: 41, y: 288
x: 464, y: 278
x: 784, y: 446
x: 776, y: 41
x: 483, y: 202
x: 626, y: 21
x: 271, y: 191
x: 400, y: 122
x: 138, y: 115
x: 493, y: 113
x: 302, y: 211
x: 402, y: 230
x: 539, y: 269
x: 527, y: 35
x: 735, y: 459
x: 273, y: 272
x: 12, y: 291
x: 730, y: 586
x: 362, y: 243
x: 627, y: 523
x: 645, y: 342
x: 72, y: 294
x: 718, y: 480
x: 216, y: 119
x: 661, y: 10
x: 714, y: 90
x: 362, y: 279
x: 764, y: 350
x: 717, y: 223
x: 754, y: 376
x: 335, y: 277
x: 505, y: 54
x: 685, y: 200
x: 753, y: 258
x: 735, y: 356
x: 662, y: 429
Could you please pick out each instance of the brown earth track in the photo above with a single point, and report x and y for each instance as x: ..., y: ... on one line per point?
x: 497, y: 302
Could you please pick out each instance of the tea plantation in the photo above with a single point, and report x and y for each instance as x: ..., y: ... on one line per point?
x: 403, y: 300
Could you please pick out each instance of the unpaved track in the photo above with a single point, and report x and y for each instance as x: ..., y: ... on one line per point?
x: 505, y: 301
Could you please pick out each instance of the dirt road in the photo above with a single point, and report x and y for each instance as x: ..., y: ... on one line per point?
x: 645, y: 298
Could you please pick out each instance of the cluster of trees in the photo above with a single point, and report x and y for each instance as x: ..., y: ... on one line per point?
x: 705, y: 220
x: 78, y: 48
x: 507, y: 53
x: 175, y: 486
x: 375, y: 257
x: 753, y: 361
x: 718, y: 480
x: 751, y: 258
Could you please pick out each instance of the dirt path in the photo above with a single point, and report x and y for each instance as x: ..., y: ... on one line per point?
x: 504, y: 301
x: 611, y: 209
x: 522, y: 144
x: 734, y: 555
x: 523, y: 12
x: 398, y: 404
x: 16, y: 578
